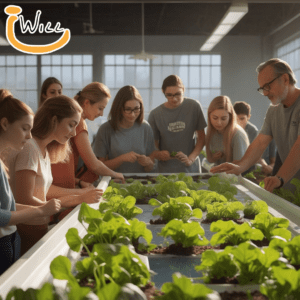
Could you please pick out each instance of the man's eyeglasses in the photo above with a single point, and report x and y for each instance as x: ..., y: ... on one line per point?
x: 177, y: 95
x: 267, y: 86
x: 135, y: 110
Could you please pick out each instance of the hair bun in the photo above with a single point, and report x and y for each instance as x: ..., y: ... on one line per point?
x: 5, y: 99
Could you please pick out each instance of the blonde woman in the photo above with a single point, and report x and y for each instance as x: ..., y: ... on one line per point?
x: 226, y: 141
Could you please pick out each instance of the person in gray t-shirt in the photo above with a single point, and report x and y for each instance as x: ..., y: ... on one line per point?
x: 277, y: 81
x: 176, y: 124
x: 125, y: 142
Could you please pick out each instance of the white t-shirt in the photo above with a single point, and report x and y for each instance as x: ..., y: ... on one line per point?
x: 31, y: 158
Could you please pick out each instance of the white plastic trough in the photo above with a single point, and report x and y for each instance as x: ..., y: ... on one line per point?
x: 32, y: 269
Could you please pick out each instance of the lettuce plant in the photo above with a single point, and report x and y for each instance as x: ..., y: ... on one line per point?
x: 176, y: 208
x: 223, y: 187
x: 253, y: 263
x: 232, y: 233
x: 216, y: 265
x: 293, y: 197
x: 188, y: 180
x: 272, y: 226
x: 187, y: 234
x: 123, y: 206
x: 112, y: 228
x: 217, y: 211
x: 203, y: 197
x: 135, y: 189
x: 182, y: 288
x: 284, y: 283
x: 249, y: 264
x: 107, y: 263
x: 170, y: 189
x: 255, y: 207
x: 291, y: 250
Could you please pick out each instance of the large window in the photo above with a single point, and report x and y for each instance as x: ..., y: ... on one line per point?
x: 290, y: 52
x: 201, y: 75
x: 19, y: 75
x: 74, y: 71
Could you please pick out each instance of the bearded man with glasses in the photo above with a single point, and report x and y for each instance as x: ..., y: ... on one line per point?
x: 282, y: 123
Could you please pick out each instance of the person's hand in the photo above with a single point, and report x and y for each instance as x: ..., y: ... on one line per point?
x: 229, y: 168
x: 118, y: 177
x: 130, y: 157
x: 51, y: 207
x: 163, y: 155
x: 183, y: 158
x: 85, y: 185
x: 92, y: 196
x: 271, y: 183
x: 144, y: 160
x: 217, y: 155
x: 267, y: 170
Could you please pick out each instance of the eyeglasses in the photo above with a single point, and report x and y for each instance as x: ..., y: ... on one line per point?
x: 129, y: 111
x: 267, y: 86
x: 177, y: 95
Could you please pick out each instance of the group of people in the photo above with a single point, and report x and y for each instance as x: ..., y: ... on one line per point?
x: 40, y: 177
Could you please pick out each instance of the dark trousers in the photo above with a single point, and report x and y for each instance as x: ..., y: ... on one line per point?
x: 10, y: 247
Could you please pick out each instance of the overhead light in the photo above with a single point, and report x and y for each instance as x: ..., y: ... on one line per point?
x: 143, y: 55
x: 233, y: 15
x: 3, y: 40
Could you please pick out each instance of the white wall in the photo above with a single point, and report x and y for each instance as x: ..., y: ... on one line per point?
x: 240, y: 57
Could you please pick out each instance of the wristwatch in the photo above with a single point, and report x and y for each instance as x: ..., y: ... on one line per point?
x: 281, y: 182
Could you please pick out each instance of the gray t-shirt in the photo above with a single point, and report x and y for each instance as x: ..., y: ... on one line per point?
x: 138, y: 138
x: 251, y: 131
x: 283, y: 125
x: 270, y: 152
x: 239, y: 145
x: 175, y: 130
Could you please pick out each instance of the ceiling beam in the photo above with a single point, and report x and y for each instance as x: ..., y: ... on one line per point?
x: 19, y: 2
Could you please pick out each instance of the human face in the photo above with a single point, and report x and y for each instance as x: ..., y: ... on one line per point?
x: 95, y: 110
x: 66, y: 128
x: 174, y: 95
x: 53, y: 90
x: 219, y: 119
x: 278, y: 89
x: 130, y: 112
x: 19, y: 132
x: 243, y: 120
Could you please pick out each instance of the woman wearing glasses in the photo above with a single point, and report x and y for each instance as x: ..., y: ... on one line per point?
x: 226, y: 141
x: 125, y: 142
x: 178, y: 127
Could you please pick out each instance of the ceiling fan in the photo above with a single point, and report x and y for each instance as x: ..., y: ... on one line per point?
x: 143, y: 55
x: 88, y: 27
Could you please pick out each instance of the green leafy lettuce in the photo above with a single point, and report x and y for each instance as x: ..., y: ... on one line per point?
x: 187, y: 234
x: 272, y: 226
x: 182, y: 288
x: 255, y: 207
x: 232, y: 233
x: 217, y: 211
x: 176, y: 208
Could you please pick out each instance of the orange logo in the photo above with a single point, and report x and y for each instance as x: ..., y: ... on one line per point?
x: 13, y: 11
